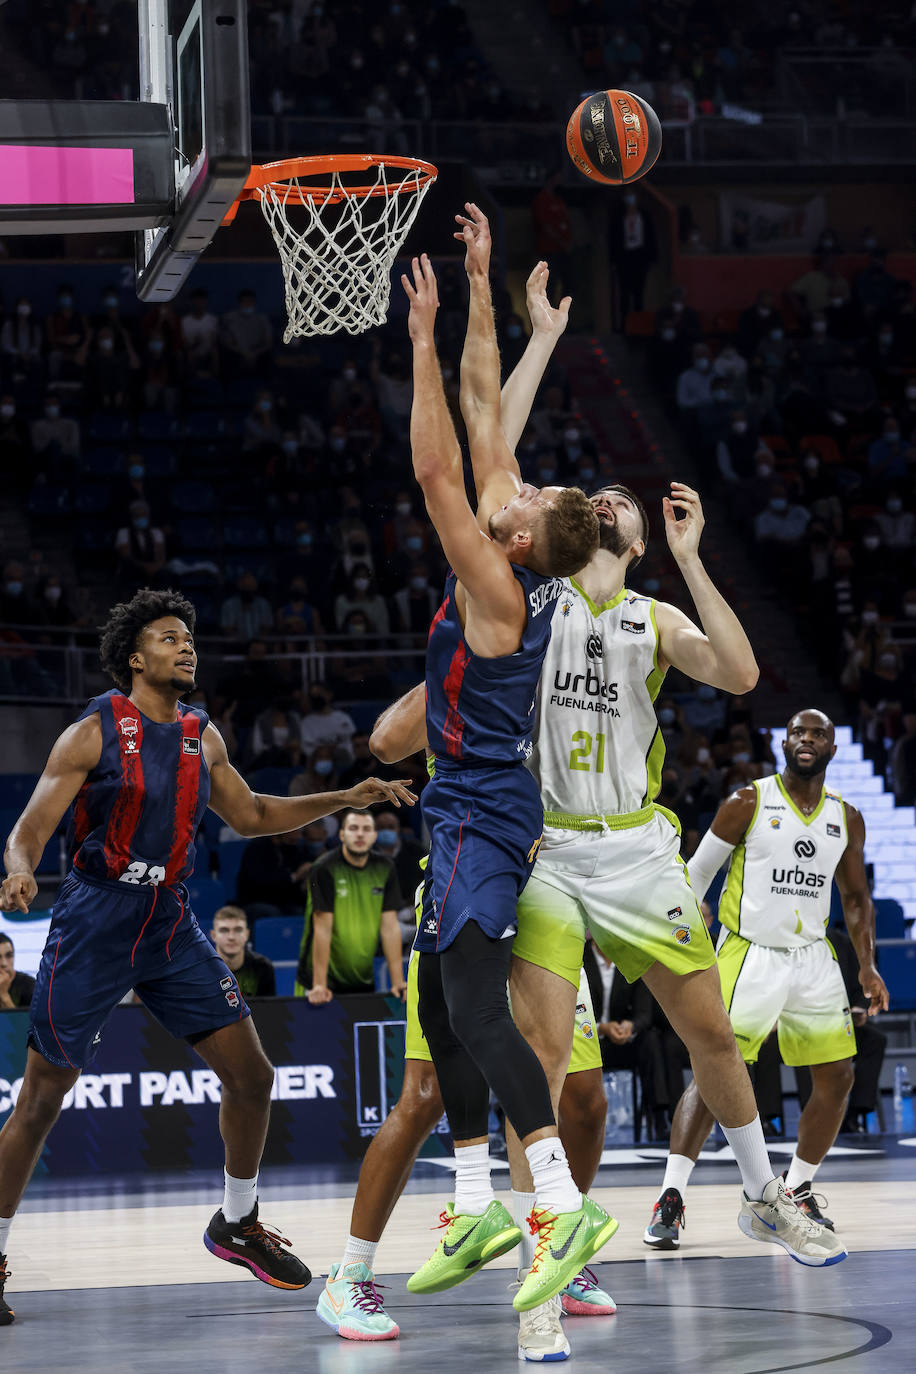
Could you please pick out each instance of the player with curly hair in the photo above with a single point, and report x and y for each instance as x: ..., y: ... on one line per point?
x: 140, y: 769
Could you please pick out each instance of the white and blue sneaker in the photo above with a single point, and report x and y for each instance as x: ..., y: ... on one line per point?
x: 352, y: 1306
x: 583, y: 1297
x: 540, y: 1331
x: 777, y: 1220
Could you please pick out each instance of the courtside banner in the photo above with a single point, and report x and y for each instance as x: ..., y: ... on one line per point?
x: 149, y: 1102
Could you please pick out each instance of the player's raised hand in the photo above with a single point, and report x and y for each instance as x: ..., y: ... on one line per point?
x: 545, y: 318
x: 423, y: 295
x: 875, y: 989
x: 375, y: 790
x: 475, y: 235
x: 683, y: 534
x: 17, y: 891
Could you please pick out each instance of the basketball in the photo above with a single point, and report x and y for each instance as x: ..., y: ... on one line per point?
x: 614, y: 137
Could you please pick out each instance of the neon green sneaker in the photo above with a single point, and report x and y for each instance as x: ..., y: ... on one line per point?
x: 566, y: 1242
x: 468, y: 1243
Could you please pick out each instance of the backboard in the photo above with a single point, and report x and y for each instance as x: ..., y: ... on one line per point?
x: 199, y: 72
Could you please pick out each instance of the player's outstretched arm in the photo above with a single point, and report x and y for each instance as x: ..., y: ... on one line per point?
x: 859, y: 910
x: 548, y: 323
x: 482, y: 569
x: 496, y: 472
x: 74, y: 755
x: 254, y: 813
x: 401, y: 728
x: 721, y: 652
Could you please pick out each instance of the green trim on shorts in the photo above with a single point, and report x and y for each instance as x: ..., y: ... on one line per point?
x: 415, y: 1043
x: 626, y: 820
x: 731, y: 961
x: 551, y: 929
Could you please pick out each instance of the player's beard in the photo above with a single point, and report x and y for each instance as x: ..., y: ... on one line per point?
x: 612, y: 539
x: 806, y: 770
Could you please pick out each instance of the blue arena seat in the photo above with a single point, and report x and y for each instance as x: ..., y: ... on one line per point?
x: 192, y: 497
x: 207, y: 896
x: 897, y: 966
x: 92, y: 498
x: 274, y: 781
x: 889, y: 919
x: 229, y: 855
x: 157, y: 425
x: 279, y: 937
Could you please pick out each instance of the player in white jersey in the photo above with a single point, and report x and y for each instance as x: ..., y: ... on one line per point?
x: 786, y: 839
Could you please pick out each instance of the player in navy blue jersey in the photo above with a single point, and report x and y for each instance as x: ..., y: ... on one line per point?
x: 140, y: 769
x: 482, y: 807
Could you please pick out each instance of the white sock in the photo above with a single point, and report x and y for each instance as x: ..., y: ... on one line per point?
x: 677, y: 1174
x: 553, y: 1183
x: 522, y: 1204
x: 473, y: 1193
x: 359, y: 1252
x: 750, y: 1152
x: 240, y: 1196
x: 799, y: 1172
x: 5, y: 1224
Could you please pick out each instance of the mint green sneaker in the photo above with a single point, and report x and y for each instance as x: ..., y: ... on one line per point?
x: 352, y: 1306
x: 566, y: 1242
x: 468, y: 1243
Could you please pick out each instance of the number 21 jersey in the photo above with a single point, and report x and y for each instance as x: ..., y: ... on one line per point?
x: 598, y: 749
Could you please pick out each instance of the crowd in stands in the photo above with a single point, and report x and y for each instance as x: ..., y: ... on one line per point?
x: 802, y: 410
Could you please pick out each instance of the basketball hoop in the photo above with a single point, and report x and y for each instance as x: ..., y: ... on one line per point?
x: 353, y: 212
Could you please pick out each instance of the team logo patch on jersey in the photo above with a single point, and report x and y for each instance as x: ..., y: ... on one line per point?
x: 682, y: 935
x: 587, y: 1030
x: 675, y: 914
x: 431, y: 926
x: 566, y: 608
x: 635, y: 627
x: 580, y: 1008
x: 128, y: 727
x: 805, y: 849
x: 233, y: 999
x: 775, y: 822
x: 833, y: 830
x: 226, y: 984
x: 377, y: 891
x: 594, y: 649
x: 190, y: 746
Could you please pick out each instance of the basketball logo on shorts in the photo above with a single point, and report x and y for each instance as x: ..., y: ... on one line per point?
x: 805, y: 849
x: 682, y: 935
x: 594, y: 649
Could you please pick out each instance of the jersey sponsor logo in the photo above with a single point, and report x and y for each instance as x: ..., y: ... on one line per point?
x: 833, y: 830
x: 797, y: 878
x: 774, y: 806
x: 541, y: 597
x: 233, y: 999
x: 128, y: 727
x: 588, y: 682
x: 633, y: 627
x: 805, y: 849
x: 775, y: 822
x: 587, y: 1030
x: 682, y: 935
x: 580, y: 1008
x: 594, y: 649
x: 675, y: 914
x: 431, y: 926
x: 190, y: 746
x: 225, y: 984
x: 566, y: 608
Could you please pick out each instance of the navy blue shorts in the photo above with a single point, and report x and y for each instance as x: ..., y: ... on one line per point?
x: 108, y: 937
x: 485, y: 826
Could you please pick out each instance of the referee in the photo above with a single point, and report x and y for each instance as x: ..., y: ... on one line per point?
x: 353, y: 900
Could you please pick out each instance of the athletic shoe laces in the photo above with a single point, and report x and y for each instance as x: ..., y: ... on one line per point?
x: 369, y: 1299
x: 810, y: 1202
x: 258, y: 1234
x: 444, y: 1220
x: 4, y: 1272
x: 586, y: 1280
x: 790, y: 1212
x: 541, y: 1224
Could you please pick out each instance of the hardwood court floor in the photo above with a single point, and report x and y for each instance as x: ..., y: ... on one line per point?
x: 123, y: 1283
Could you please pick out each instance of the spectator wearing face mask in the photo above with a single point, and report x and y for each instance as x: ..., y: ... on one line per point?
x: 736, y: 451
x: 896, y: 525
x: 773, y: 350
x: 297, y: 615
x: 275, y: 741
x: 875, y: 576
x: 405, y: 852
x: 140, y: 547
x: 417, y: 603
x: 783, y: 522
x: 321, y: 773
x: 54, y: 603
x: 67, y: 335
x: 326, y: 724
x: 820, y: 493
x: 886, y: 696
x: 17, y: 605
x: 693, y: 385
x: 634, y: 249
x: 884, y: 357
x: 20, y: 345
x: 246, y: 615
x: 347, y: 383
x: 819, y: 353
x: 394, y: 390
x: 361, y: 595
x: 110, y: 367
x: 851, y: 395
x: 888, y: 457
x: 200, y: 336
x: 55, y: 436
x: 261, y: 430
x: 574, y: 446
x: 161, y: 374
x: 672, y: 724
x: 732, y: 368
x: 705, y: 711
x: 756, y: 321
x: 753, y: 495
x: 246, y: 336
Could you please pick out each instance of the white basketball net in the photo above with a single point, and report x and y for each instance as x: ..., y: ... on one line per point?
x: 337, y: 264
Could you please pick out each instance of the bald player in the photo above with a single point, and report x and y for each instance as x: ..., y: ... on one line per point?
x: 786, y: 838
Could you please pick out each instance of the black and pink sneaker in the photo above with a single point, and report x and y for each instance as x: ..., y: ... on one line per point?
x: 7, y: 1315
x: 252, y: 1245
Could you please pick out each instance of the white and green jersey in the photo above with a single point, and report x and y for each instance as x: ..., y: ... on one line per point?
x: 777, y: 889
x: 598, y: 749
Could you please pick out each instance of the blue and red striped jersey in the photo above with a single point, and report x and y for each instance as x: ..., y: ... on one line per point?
x: 136, y: 815
x: 481, y: 710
